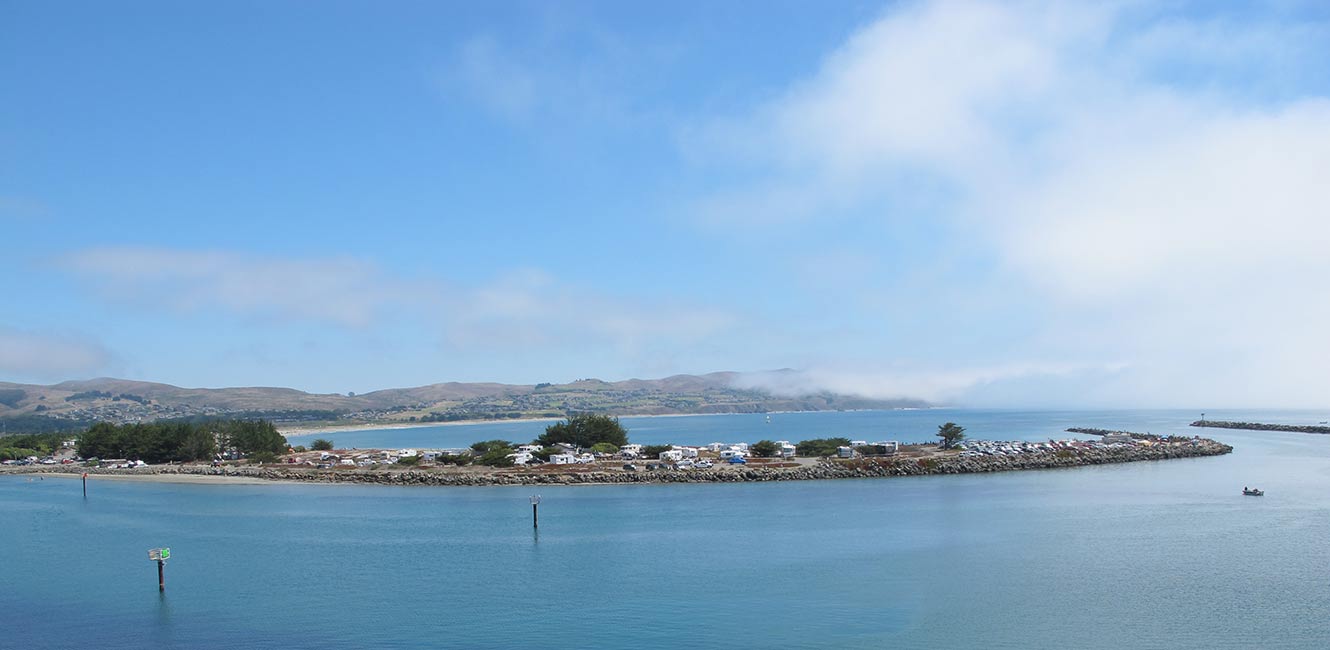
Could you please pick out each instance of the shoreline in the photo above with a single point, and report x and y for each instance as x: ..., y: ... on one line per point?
x: 296, y: 432
x: 824, y: 469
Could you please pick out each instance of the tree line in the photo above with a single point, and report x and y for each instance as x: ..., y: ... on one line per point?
x: 178, y: 441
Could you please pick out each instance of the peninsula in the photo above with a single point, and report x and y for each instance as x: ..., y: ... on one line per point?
x: 912, y: 460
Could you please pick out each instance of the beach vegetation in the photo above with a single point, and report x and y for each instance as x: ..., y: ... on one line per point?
x: 484, y: 447
x: 408, y: 460
x: 455, y: 459
x: 764, y: 449
x: 950, y: 433
x: 821, y: 446
x: 604, y: 448
x: 42, y: 443
x: 497, y: 457
x: 18, y: 453
x: 545, y: 453
x: 585, y: 430
x: 322, y: 444
x: 262, y: 457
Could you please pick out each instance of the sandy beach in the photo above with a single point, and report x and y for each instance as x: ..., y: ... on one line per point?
x: 164, y: 478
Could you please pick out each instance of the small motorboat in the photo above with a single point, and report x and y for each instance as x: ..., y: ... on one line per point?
x: 1253, y: 492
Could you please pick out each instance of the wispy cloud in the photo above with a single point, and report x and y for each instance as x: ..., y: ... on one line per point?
x: 489, y: 74
x: 521, y: 309
x: 344, y: 291
x: 41, y: 356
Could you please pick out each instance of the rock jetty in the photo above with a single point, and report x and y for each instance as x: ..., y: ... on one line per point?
x: 1257, y: 426
x: 826, y: 469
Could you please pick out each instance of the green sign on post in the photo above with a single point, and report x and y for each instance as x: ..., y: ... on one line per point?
x: 166, y: 554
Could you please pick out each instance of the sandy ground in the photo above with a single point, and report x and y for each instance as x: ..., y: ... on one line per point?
x: 160, y: 478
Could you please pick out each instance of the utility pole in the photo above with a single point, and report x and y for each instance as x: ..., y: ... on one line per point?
x: 535, y: 514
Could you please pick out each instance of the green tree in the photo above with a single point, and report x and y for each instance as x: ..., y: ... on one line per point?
x: 250, y: 436
x: 482, y: 448
x: 604, y: 448
x: 322, y: 444
x: 950, y: 434
x: 764, y: 449
x: 821, y: 446
x: 585, y: 430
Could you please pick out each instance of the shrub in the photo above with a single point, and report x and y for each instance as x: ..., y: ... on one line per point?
x: 497, y: 457
x: 408, y: 460
x: 488, y: 445
x: 322, y: 444
x: 821, y: 446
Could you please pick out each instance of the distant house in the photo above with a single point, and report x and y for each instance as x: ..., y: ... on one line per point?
x: 563, y: 459
x: 673, y: 455
x: 688, y: 452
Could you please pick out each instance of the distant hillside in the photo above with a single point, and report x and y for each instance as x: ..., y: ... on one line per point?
x: 74, y: 404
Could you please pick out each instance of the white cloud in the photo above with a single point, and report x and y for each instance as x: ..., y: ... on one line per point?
x: 523, y: 309
x: 42, y: 356
x: 531, y: 307
x: 1110, y: 159
x: 344, y: 291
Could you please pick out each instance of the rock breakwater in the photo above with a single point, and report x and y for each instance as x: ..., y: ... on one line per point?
x: 1257, y: 426
x: 828, y: 469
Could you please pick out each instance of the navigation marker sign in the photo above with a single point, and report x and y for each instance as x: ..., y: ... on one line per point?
x: 160, y: 556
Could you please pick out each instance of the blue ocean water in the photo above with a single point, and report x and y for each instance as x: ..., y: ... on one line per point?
x: 1142, y: 555
x: 902, y: 425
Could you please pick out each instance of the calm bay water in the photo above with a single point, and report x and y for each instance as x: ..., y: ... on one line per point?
x: 1142, y: 555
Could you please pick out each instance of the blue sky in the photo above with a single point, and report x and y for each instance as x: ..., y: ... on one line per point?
x: 1019, y: 203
